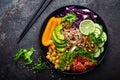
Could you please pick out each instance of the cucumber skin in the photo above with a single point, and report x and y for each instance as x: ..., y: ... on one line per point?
x: 99, y: 26
x: 101, y: 44
x: 97, y: 32
x: 97, y: 54
x: 101, y: 50
x: 104, y: 36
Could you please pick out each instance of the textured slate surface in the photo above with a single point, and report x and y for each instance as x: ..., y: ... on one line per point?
x: 14, y: 15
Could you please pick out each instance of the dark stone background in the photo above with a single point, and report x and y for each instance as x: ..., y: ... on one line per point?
x: 15, y: 14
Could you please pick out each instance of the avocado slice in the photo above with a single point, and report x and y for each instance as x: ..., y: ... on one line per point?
x: 56, y: 39
x: 58, y: 32
x: 58, y: 45
x: 60, y: 49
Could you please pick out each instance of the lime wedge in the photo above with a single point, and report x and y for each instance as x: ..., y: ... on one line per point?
x: 86, y: 27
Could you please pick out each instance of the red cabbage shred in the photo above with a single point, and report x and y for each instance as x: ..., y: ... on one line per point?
x: 81, y: 14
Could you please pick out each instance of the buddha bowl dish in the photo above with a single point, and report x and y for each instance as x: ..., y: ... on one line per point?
x: 73, y: 39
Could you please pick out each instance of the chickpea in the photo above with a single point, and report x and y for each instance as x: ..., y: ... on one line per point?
x: 68, y: 68
x: 50, y: 50
x: 48, y: 56
x: 54, y: 53
x: 48, y: 53
x: 57, y: 61
x: 65, y: 68
x: 57, y: 56
x: 61, y: 54
x: 51, y: 55
x: 53, y: 62
x: 50, y: 59
x: 56, y: 66
x: 67, y: 62
x: 53, y: 58
x: 68, y: 65
x: 54, y: 50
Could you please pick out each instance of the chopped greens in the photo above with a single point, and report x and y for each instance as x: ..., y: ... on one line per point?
x: 40, y: 65
x: 25, y: 54
x: 18, y: 55
x: 94, y: 39
x: 70, y: 18
x: 77, y: 52
x: 63, y: 63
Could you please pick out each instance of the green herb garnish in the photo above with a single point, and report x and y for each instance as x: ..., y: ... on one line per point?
x: 25, y: 54
x: 94, y: 39
x: 70, y: 18
x: 40, y: 65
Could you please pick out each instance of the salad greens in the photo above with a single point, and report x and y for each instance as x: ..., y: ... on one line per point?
x: 94, y: 39
x: 83, y: 53
x: 77, y: 52
x: 25, y: 54
x: 70, y: 18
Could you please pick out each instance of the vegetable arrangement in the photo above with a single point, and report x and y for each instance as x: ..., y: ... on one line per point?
x: 46, y: 39
x: 74, y: 40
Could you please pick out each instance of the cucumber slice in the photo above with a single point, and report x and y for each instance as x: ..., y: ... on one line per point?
x: 86, y: 27
x: 104, y: 37
x: 97, y: 53
x: 96, y: 49
x: 99, y: 26
x: 101, y: 49
x: 101, y: 44
x: 97, y: 32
